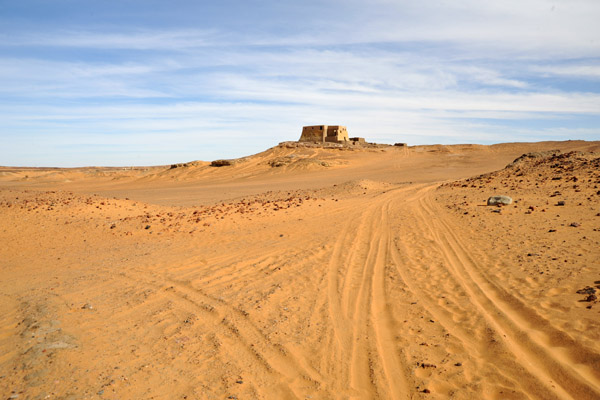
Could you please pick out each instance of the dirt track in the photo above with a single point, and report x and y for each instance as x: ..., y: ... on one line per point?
x: 321, y: 288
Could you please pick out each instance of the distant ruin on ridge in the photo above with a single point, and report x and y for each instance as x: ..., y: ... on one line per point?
x: 332, y: 136
x: 324, y: 133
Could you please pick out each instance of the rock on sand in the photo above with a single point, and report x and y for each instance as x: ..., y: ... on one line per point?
x: 499, y: 200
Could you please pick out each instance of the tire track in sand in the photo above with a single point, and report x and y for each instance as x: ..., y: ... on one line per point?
x: 526, y: 334
x: 359, y: 311
x: 275, y: 369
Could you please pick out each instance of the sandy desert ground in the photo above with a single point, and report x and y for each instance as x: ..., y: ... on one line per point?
x: 306, y: 273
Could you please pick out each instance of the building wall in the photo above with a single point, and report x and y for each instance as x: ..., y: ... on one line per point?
x: 336, y: 133
x: 324, y: 133
x: 315, y: 133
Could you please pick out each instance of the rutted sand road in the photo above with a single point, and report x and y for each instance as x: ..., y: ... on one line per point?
x: 528, y: 354
x: 536, y: 357
x: 393, y: 260
x: 361, y: 290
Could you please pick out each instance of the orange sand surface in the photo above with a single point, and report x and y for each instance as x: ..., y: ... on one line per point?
x: 306, y: 273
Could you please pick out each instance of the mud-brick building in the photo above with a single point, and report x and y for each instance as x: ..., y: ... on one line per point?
x: 324, y: 133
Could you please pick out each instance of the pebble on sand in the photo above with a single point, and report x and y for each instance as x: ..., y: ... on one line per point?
x: 499, y: 201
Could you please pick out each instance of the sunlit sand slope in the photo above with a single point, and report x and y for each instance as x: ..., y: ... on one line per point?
x: 306, y: 273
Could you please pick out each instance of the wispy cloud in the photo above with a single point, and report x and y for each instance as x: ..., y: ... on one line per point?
x: 587, y: 71
x: 393, y: 70
x: 136, y: 39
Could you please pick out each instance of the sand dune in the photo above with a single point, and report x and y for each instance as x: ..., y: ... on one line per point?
x: 305, y: 272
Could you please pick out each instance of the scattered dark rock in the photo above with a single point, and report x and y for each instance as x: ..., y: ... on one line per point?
x: 147, y: 227
x: 184, y: 165
x: 221, y: 163
x: 458, y: 364
x: 552, y: 230
x: 575, y: 224
x: 589, y: 293
x: 586, y: 290
x: 531, y: 156
x: 590, y: 298
x: 561, y: 203
x: 426, y: 391
x: 87, y: 306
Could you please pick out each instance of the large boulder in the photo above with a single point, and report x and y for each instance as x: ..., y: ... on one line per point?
x: 499, y: 201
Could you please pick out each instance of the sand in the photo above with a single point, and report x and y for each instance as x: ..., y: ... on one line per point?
x: 306, y: 273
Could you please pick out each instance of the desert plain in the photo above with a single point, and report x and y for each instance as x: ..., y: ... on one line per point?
x: 305, y: 272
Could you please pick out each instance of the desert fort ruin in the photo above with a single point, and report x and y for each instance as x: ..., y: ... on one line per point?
x: 324, y: 133
x: 333, y: 136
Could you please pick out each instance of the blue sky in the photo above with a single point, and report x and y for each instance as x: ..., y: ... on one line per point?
x: 149, y: 82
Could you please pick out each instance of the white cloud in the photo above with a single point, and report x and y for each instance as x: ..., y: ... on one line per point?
x: 534, y: 28
x: 587, y: 71
x: 128, y: 39
x: 429, y: 71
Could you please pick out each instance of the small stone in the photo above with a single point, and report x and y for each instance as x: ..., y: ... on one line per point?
x: 586, y: 290
x: 575, y: 224
x: 147, y: 227
x: 561, y: 203
x: 590, y: 298
x: 499, y: 200
x: 458, y: 364
x: 87, y: 306
x: 426, y: 391
x: 552, y: 230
